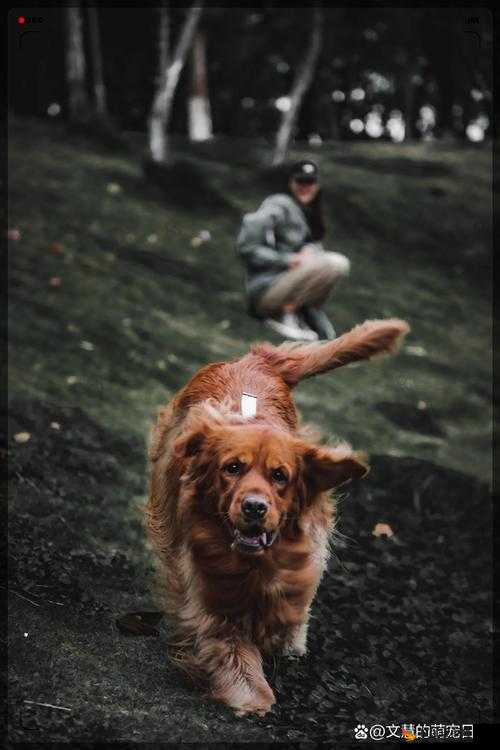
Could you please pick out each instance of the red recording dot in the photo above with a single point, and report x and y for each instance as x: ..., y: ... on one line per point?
x: 21, y: 20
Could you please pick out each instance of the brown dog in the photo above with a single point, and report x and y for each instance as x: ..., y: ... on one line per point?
x: 239, y: 513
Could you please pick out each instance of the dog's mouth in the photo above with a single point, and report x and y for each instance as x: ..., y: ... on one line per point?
x: 254, y: 542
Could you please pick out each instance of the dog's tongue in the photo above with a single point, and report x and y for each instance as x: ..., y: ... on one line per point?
x: 255, y: 541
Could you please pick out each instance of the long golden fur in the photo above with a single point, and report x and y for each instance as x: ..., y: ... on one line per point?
x: 239, y: 513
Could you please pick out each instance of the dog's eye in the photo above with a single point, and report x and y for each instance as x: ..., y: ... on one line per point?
x: 279, y: 476
x: 234, y: 467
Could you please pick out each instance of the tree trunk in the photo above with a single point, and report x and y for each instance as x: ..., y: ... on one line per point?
x: 169, y: 71
x: 409, y: 92
x: 199, y: 117
x: 95, y: 47
x: 157, y: 134
x: 78, y: 103
x: 335, y: 121
x: 408, y: 24
x: 300, y: 86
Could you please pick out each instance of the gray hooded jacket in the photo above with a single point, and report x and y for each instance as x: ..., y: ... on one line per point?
x: 267, y: 239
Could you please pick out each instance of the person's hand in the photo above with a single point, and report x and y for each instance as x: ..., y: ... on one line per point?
x: 295, y: 260
x: 307, y: 251
x: 302, y: 256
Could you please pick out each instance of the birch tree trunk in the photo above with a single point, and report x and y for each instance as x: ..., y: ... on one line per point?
x: 302, y: 81
x: 95, y: 47
x: 169, y: 71
x: 199, y: 116
x: 78, y: 103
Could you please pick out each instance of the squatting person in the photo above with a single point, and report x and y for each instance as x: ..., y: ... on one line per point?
x: 289, y: 274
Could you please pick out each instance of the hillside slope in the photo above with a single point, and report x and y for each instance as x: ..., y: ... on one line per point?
x: 113, y: 307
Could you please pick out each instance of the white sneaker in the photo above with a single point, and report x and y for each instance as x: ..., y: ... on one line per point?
x: 288, y: 325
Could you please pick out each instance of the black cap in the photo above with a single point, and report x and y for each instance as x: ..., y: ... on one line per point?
x: 304, y: 171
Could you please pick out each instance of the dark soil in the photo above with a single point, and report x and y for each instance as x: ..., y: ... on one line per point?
x: 400, y: 630
x: 115, y: 302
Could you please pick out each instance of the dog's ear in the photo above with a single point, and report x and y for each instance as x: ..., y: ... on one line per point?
x: 189, y: 445
x: 326, y: 468
x: 192, y: 440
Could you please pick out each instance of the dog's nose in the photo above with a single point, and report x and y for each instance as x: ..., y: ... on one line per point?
x: 254, y: 507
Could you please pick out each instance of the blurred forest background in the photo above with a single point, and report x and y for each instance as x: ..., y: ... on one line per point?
x: 374, y: 73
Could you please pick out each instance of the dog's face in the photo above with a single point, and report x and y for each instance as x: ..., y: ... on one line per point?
x: 255, y: 477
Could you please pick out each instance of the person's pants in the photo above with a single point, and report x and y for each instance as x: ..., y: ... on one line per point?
x: 307, y: 285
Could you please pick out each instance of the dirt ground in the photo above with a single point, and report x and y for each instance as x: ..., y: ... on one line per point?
x: 402, y: 625
x: 400, y: 631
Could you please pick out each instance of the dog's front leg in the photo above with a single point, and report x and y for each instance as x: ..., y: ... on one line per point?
x: 296, y: 639
x: 236, y: 677
x: 295, y: 643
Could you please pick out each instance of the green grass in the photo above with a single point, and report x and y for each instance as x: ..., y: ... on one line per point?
x: 414, y: 220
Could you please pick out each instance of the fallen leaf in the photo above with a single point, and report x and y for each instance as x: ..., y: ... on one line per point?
x: 56, y: 248
x: 22, y: 437
x: 417, y: 351
x: 201, y: 237
x: 139, y: 623
x: 382, y: 529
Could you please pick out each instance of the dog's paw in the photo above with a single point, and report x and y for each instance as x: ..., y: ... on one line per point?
x: 294, y: 650
x: 247, y: 698
x: 260, y: 709
x: 295, y: 644
x: 292, y: 657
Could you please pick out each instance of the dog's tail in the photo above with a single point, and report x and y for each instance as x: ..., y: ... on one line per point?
x: 294, y: 362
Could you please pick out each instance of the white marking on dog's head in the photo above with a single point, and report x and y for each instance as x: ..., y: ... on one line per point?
x: 248, y: 405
